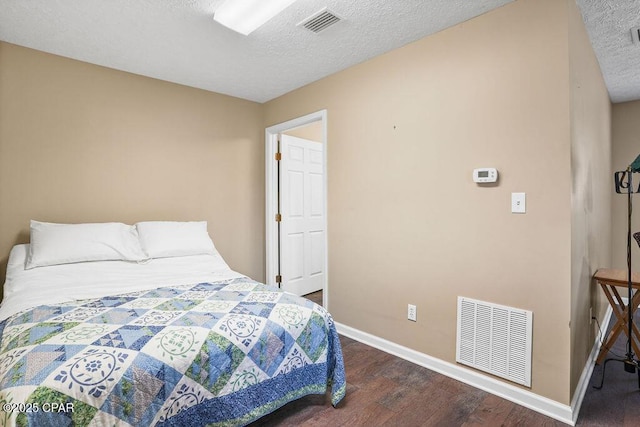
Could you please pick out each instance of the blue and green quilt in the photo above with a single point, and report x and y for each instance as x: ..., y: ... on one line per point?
x: 222, y: 353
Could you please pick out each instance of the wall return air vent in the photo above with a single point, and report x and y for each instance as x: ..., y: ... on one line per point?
x: 320, y: 21
x: 495, y: 339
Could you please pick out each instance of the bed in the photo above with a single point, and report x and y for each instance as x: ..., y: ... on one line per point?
x: 158, y: 336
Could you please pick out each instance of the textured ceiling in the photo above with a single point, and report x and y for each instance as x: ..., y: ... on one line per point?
x: 178, y: 41
x: 609, y: 24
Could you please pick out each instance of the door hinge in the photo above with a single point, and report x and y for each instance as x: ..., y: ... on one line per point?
x: 278, y: 156
x: 278, y: 279
x: 278, y: 217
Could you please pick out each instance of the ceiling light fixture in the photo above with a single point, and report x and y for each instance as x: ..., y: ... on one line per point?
x: 244, y: 16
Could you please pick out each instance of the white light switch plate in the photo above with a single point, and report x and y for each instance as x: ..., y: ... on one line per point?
x: 518, y: 203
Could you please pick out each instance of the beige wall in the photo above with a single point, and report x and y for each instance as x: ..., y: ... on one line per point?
x: 312, y: 132
x: 626, y: 147
x: 82, y: 143
x: 591, y: 190
x: 407, y: 224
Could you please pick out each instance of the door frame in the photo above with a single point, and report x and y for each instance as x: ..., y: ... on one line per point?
x: 271, y: 196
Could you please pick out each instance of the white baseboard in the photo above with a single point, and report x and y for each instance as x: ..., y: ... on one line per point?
x: 564, y: 413
x: 583, y: 383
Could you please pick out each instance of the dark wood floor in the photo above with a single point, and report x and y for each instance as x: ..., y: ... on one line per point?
x: 384, y: 390
x: 315, y: 297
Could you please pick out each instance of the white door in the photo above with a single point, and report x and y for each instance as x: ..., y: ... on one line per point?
x: 302, y: 227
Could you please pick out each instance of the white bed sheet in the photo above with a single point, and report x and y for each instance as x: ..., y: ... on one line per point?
x: 24, y: 289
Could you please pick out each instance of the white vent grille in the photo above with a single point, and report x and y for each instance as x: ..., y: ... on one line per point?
x: 495, y: 339
x: 320, y: 21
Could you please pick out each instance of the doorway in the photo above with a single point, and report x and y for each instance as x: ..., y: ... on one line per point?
x: 296, y: 205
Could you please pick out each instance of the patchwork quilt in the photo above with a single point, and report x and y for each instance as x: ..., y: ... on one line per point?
x: 222, y: 353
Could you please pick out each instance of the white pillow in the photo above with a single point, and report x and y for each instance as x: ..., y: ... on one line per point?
x: 162, y: 239
x: 53, y: 244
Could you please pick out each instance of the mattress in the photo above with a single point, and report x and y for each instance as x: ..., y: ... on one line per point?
x: 172, y: 341
x: 69, y: 282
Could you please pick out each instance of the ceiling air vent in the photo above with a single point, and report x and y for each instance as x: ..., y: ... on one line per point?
x: 320, y: 21
x: 635, y: 35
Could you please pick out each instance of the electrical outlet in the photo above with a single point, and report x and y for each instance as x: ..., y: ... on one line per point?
x: 412, y: 312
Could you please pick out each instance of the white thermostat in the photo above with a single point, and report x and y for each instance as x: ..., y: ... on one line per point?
x: 482, y: 175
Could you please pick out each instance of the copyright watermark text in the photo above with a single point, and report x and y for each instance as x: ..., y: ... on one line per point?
x: 66, y: 407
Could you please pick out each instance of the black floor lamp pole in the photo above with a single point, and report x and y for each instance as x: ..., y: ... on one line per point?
x: 631, y: 364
